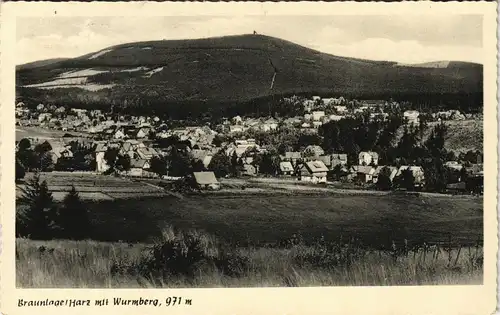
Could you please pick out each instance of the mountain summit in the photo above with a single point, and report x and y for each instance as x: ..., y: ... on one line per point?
x: 239, y: 68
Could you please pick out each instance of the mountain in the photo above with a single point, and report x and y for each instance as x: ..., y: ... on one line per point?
x: 38, y: 63
x: 234, y: 69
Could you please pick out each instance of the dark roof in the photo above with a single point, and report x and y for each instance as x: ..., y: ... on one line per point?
x: 137, y: 163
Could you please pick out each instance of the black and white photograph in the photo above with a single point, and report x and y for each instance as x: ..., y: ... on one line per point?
x: 249, y: 151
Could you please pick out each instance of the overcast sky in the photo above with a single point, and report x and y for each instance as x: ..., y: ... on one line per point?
x: 408, y: 39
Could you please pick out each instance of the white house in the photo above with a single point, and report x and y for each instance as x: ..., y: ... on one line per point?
x: 102, y: 165
x: 341, y: 109
x: 312, y: 171
x: 368, y: 157
x: 286, y: 168
x: 316, y: 115
x: 412, y: 116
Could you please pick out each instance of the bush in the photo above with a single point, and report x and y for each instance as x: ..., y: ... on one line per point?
x: 184, y: 254
x: 20, y: 171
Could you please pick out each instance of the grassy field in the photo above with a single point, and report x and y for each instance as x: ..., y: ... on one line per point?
x: 259, y: 226
x: 66, y: 264
x: 258, y: 220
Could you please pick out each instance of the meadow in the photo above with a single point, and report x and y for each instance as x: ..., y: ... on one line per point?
x: 90, y: 264
x: 441, y: 235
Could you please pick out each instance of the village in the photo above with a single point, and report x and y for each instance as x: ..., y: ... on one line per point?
x: 147, y: 147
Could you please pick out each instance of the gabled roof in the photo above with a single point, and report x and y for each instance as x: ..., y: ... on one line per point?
x: 101, y: 147
x: 325, y: 159
x: 364, y: 169
x: 339, y: 156
x: 146, y: 152
x: 138, y: 163
x: 205, y: 178
x: 379, y: 168
x: 206, y: 160
x: 316, y: 166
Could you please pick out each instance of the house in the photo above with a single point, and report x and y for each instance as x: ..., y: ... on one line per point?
x: 206, y: 180
x: 475, y: 170
x: 249, y: 170
x: 363, y: 173
x: 338, y: 159
x: 138, y: 167
x: 453, y: 165
x: 237, y: 120
x: 317, y: 115
x: 312, y: 171
x: 313, y: 151
x: 417, y: 171
x: 143, y: 132
x: 412, y: 116
x: 118, y: 134
x: 235, y: 128
x: 326, y: 160
x: 292, y: 157
x: 146, y: 153
x: 64, y: 152
x: 317, y: 124
x: 205, y: 156
x: 129, y: 147
x: 392, y: 172
x: 100, y: 150
x: 456, y: 187
x: 269, y: 124
x: 334, y: 117
x: 286, y: 168
x: 44, y: 117
x: 241, y: 146
x: 368, y: 158
x: 308, y: 105
x: 341, y: 109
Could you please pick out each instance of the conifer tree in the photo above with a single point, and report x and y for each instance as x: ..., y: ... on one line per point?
x: 38, y: 221
x: 73, y: 216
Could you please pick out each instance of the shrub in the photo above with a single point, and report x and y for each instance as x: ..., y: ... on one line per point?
x: 184, y: 254
x: 20, y: 171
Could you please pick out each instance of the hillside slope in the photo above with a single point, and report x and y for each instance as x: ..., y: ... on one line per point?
x: 461, y: 135
x: 239, y: 68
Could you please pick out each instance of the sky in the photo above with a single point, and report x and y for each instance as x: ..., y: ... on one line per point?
x: 405, y: 39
